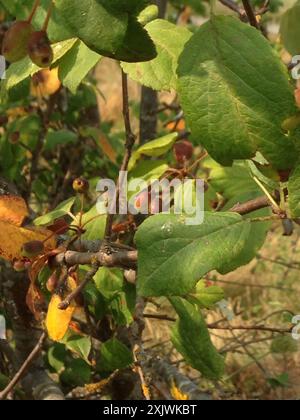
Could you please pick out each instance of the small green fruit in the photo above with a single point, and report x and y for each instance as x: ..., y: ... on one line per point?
x: 15, y: 41
x: 81, y: 185
x: 32, y: 249
x: 40, y: 50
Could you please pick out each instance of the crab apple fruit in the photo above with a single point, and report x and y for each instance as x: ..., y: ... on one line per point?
x: 39, y: 49
x: 15, y: 41
x: 183, y: 151
x: 32, y: 249
x: 81, y: 185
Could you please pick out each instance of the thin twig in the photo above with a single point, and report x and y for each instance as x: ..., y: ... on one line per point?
x: 250, y: 13
x: 24, y: 367
x: 72, y: 296
x: 214, y: 326
x: 129, y: 143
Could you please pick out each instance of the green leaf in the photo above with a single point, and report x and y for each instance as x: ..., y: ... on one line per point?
x: 61, y: 210
x: 78, y: 373
x: 137, y: 44
x: 114, y: 355
x: 79, y: 345
x: 57, y: 138
x: 122, y: 305
x: 235, y: 93
x: 231, y: 181
x: 149, y: 171
x: 109, y: 281
x: 207, y: 297
x: 257, y: 236
x: 57, y: 356
x: 129, y: 6
x: 94, y: 300
x: 160, y: 73
x: 191, y: 338
x: 119, y: 295
x: 290, y: 29
x: 99, y: 27
x: 154, y: 148
x: 284, y: 344
x: 108, y: 30
x: 294, y: 192
x: 281, y: 380
x: 174, y: 255
x: 75, y: 65
x: 95, y: 226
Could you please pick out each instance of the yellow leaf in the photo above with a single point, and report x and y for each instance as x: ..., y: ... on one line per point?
x: 13, y: 209
x: 57, y: 320
x: 13, y: 237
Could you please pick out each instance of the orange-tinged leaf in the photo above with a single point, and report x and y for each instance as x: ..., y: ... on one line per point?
x: 12, y: 238
x: 57, y: 320
x: 176, y: 125
x: 45, y: 83
x: 13, y: 209
x: 35, y: 301
x: 107, y: 148
x: 40, y: 262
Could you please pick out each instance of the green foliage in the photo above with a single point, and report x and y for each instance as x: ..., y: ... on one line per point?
x: 114, y: 355
x: 294, y: 192
x: 154, y: 148
x: 61, y: 210
x: 284, y: 344
x: 289, y: 29
x: 234, y: 103
x: 107, y: 29
x: 75, y: 65
x: 160, y: 73
x: 192, y: 340
x: 174, y: 255
x: 206, y: 297
x: 231, y: 96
